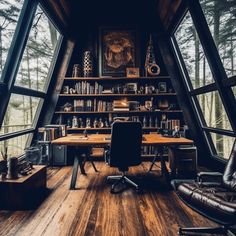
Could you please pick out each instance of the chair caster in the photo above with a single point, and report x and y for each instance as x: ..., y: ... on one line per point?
x: 180, y: 231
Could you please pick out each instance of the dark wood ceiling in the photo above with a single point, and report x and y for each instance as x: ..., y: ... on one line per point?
x: 73, y: 14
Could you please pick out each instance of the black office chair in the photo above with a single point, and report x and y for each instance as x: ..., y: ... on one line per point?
x: 213, y: 195
x: 125, y: 150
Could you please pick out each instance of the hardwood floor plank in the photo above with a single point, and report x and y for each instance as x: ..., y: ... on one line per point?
x: 63, y: 220
x: 93, y: 210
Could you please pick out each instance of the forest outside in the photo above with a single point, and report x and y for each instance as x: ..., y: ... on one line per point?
x: 221, y: 18
x: 33, y: 73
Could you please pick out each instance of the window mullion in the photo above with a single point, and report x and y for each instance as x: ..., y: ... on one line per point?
x: 28, y: 92
x: 214, y: 60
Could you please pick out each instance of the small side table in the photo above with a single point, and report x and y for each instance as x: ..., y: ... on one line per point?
x: 25, y: 192
x: 183, y: 160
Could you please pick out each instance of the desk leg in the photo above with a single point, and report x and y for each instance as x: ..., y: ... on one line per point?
x: 74, y: 172
x: 164, y: 170
x: 78, y: 162
x: 154, y: 159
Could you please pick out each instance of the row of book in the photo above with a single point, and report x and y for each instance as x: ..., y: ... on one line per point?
x: 170, y: 124
x: 85, y: 87
x: 51, y: 132
x: 147, y: 150
x: 100, y: 105
x: 92, y: 105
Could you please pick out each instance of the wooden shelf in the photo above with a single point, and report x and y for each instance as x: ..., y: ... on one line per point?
x: 118, y: 95
x: 116, y: 78
x: 106, y: 128
x: 117, y: 112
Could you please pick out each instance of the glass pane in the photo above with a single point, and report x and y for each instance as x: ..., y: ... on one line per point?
x: 192, y: 53
x: 20, y: 113
x: 213, y: 110
x: 221, y: 19
x: 234, y: 91
x: 15, y: 146
x: 38, y: 54
x: 223, y: 144
x: 9, y: 14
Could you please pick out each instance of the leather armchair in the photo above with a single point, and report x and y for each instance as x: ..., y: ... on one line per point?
x: 125, y: 151
x: 213, y: 195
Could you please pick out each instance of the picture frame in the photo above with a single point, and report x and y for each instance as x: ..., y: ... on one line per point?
x: 118, y: 50
x: 132, y: 72
x: 162, y: 87
x: 131, y: 88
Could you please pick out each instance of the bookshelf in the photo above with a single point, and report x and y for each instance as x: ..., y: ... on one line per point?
x: 92, y: 102
x: 93, y: 99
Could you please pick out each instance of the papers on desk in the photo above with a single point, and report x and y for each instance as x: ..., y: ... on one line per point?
x: 79, y: 138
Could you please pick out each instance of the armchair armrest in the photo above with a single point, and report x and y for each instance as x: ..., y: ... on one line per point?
x: 204, y: 173
x: 215, y: 177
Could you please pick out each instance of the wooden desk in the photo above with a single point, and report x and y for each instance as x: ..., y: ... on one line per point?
x: 102, y: 140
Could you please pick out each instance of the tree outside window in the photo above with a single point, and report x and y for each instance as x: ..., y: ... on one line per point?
x: 221, y: 19
x: 200, y: 75
x: 9, y: 14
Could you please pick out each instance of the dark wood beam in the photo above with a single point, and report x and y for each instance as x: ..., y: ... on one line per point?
x: 56, y: 83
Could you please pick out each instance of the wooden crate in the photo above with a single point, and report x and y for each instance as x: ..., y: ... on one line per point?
x: 25, y: 192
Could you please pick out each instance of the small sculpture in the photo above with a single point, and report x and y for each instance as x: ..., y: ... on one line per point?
x: 151, y: 67
x: 67, y: 107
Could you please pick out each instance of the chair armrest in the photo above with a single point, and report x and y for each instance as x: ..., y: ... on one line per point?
x: 209, y: 177
x: 107, y: 156
x: 205, y: 174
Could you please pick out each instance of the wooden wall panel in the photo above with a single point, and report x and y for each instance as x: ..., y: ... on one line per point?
x: 60, y: 10
x: 167, y: 10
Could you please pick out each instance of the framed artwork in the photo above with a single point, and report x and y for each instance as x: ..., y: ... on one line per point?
x: 118, y: 49
x: 162, y: 87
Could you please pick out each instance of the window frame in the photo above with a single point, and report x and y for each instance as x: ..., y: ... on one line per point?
x: 17, y: 48
x: 222, y: 86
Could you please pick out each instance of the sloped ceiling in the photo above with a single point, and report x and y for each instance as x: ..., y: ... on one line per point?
x: 72, y: 13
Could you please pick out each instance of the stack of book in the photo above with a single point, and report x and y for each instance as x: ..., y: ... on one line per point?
x: 120, y: 105
x: 51, y: 132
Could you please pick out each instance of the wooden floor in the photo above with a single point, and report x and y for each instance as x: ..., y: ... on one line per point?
x: 92, y: 210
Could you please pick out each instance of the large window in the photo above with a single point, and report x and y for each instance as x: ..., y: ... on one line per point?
x: 20, y: 114
x: 9, y: 14
x: 192, y: 53
x: 223, y: 144
x: 221, y: 19
x: 38, y: 54
x: 15, y: 146
x: 34, y: 74
x: 213, y: 110
x: 207, y: 100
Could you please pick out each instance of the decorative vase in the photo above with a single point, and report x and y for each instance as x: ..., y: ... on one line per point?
x: 88, y: 64
x: 76, y: 70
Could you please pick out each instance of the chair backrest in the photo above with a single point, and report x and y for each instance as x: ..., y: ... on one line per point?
x: 229, y: 176
x: 126, y: 141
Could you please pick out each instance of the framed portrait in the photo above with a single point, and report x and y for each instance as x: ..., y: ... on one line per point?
x: 162, y: 87
x: 118, y: 50
x: 132, y: 72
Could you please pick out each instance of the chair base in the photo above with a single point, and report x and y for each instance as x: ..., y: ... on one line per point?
x: 122, y: 179
x: 206, y: 230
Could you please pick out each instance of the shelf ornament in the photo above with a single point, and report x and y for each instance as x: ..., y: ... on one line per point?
x: 88, y: 64
x: 151, y: 67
